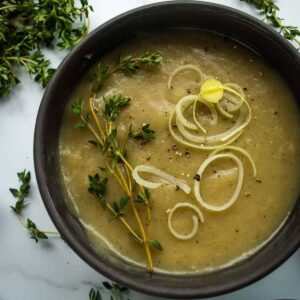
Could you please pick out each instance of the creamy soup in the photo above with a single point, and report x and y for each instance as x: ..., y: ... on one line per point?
x: 271, y: 138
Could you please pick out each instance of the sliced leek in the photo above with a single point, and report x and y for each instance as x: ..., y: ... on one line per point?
x: 159, y: 173
x: 197, y: 185
x: 185, y: 68
x: 240, y: 150
x: 181, y: 106
x: 195, y: 220
x: 202, y: 146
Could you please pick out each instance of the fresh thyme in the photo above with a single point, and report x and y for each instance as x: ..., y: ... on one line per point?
x: 127, y: 64
x: 145, y: 132
x: 115, y: 290
x: 102, y: 126
x: 26, y: 26
x: 113, y: 107
x: 21, y: 194
x: 270, y: 10
x: 94, y: 295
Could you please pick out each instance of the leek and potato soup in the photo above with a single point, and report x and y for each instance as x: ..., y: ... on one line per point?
x: 180, y: 152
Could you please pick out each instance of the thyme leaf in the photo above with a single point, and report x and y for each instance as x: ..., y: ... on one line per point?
x: 113, y: 106
x: 97, y: 186
x: 94, y: 295
x: 270, y: 9
x: 22, y: 192
x: 26, y: 26
x: 144, y: 133
x: 34, y: 232
x: 156, y: 244
x: 128, y: 64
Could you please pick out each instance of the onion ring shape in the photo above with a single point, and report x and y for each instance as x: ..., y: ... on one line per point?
x: 195, y: 221
x: 232, y: 100
x: 201, y: 146
x: 240, y: 150
x: 197, y: 186
x: 222, y: 137
x: 181, y: 106
x: 159, y: 173
x: 185, y: 68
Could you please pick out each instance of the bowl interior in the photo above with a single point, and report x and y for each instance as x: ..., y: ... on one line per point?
x: 180, y: 14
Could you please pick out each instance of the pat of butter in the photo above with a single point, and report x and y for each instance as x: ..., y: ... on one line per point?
x: 211, y: 90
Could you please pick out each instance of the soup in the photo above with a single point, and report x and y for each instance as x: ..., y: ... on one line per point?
x: 269, y: 135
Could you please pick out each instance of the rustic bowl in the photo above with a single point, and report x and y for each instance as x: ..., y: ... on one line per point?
x: 234, y: 24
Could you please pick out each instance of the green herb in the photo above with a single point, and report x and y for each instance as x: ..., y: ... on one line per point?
x: 143, y: 196
x: 98, y: 187
x: 113, y: 106
x: 128, y: 64
x: 21, y: 194
x: 34, y: 232
x: 115, y: 289
x: 270, y: 10
x: 94, y: 295
x: 26, y: 26
x: 156, y: 244
x: 102, y: 126
x: 118, y: 207
x: 144, y: 133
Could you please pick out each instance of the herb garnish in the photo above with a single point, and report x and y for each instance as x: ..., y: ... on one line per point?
x: 113, y: 107
x: 94, y: 295
x: 144, y: 133
x: 127, y: 64
x: 102, y: 126
x: 21, y: 194
x: 26, y: 26
x: 270, y: 9
x: 114, y: 288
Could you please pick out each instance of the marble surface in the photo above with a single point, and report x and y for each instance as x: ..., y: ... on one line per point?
x: 51, y: 270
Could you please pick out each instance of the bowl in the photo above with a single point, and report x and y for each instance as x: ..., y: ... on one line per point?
x: 234, y: 24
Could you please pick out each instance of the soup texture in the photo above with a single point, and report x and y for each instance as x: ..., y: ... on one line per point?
x: 271, y: 138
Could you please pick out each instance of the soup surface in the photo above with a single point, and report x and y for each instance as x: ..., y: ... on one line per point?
x: 271, y: 138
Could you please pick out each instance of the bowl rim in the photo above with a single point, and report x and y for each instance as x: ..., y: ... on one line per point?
x: 41, y: 177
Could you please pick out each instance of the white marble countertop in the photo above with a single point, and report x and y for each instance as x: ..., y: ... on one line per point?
x: 51, y: 270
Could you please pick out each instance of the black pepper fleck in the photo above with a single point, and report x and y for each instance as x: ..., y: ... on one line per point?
x: 197, y: 177
x: 174, y: 147
x: 177, y: 188
x: 245, y: 89
x: 187, y: 154
x: 258, y: 180
x: 148, y: 158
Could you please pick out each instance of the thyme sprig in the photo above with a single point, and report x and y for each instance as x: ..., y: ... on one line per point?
x: 110, y: 145
x: 26, y: 26
x: 270, y: 9
x: 21, y: 194
x: 128, y: 64
x: 102, y: 126
x: 115, y: 290
x: 145, y: 132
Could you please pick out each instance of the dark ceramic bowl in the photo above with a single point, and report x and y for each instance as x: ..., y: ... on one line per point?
x: 180, y: 14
